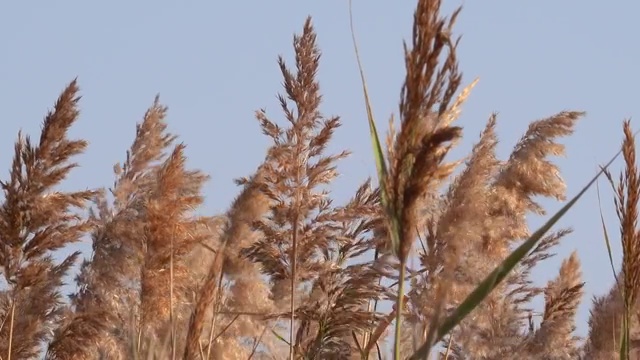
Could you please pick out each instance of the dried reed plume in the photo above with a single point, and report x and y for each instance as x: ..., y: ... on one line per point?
x: 617, y: 309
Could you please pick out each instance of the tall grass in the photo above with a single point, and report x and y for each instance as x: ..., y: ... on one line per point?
x: 281, y: 273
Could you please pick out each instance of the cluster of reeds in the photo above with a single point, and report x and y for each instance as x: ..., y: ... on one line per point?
x: 287, y: 272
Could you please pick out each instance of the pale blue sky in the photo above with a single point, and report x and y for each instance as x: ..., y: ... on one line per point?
x: 214, y: 63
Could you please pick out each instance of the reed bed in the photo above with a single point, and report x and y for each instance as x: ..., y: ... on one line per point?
x: 286, y: 271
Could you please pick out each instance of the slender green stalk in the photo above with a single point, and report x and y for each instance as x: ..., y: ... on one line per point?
x: 375, y: 139
x: 13, y: 312
x: 399, y: 311
x: 624, y: 341
x: 624, y: 327
x: 606, y: 235
x: 292, y: 319
x: 391, y: 215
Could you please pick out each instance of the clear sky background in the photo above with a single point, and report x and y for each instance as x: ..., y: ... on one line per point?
x: 214, y: 64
